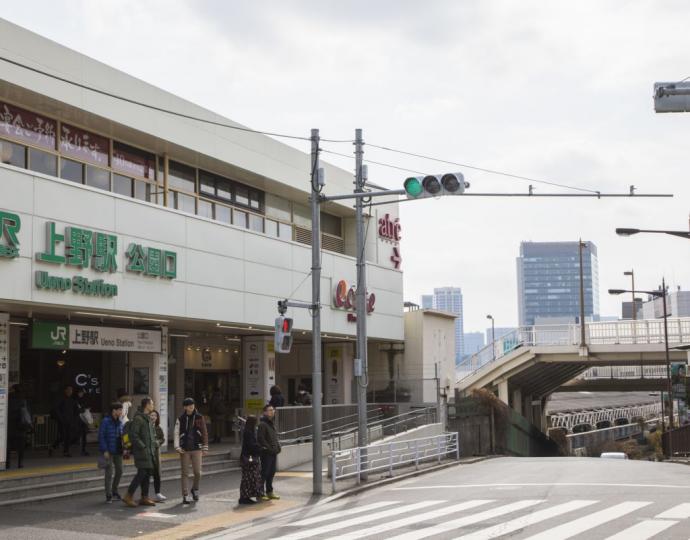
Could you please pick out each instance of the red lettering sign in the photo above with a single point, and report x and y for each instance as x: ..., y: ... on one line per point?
x: 345, y: 297
x: 390, y: 230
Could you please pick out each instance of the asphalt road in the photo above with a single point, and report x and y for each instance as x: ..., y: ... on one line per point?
x: 517, y: 498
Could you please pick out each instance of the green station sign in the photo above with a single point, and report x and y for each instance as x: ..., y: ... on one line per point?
x: 82, y: 248
x: 49, y: 335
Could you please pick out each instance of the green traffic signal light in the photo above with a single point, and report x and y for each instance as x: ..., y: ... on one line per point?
x: 413, y: 187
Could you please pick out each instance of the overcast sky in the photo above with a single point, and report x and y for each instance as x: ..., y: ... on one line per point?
x: 557, y: 90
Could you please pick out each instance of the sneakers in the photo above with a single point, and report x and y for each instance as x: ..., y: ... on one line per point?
x: 108, y: 500
x: 160, y: 497
x: 264, y: 498
x: 116, y: 496
x: 185, y: 500
x: 145, y: 501
x: 195, y: 494
x: 272, y: 496
x: 129, y: 501
x: 246, y: 500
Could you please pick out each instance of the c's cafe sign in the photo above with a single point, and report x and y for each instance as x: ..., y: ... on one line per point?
x: 344, y: 297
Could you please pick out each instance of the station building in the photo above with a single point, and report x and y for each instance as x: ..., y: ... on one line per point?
x: 147, y: 251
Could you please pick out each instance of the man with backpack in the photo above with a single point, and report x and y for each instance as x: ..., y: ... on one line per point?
x: 191, y: 442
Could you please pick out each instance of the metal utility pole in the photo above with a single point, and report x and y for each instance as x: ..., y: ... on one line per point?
x: 668, y: 366
x: 316, y: 184
x: 583, y: 341
x: 361, y: 361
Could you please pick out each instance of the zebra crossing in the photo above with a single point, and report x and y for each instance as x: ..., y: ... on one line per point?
x: 483, y: 519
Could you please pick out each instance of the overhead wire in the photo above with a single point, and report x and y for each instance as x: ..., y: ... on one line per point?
x: 164, y: 110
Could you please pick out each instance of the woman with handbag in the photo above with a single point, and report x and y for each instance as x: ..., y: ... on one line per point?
x: 250, y: 461
x: 160, y: 438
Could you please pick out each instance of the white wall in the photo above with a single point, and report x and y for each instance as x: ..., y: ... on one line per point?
x: 224, y: 273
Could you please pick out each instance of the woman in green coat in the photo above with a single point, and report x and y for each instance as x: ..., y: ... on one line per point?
x: 145, y: 449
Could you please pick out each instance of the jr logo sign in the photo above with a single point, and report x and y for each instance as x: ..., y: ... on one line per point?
x: 9, y: 227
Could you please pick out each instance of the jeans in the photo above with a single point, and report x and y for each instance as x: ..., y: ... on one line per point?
x: 113, y: 482
x: 192, y: 457
x: 157, y: 478
x: 268, y: 470
x: 142, y: 478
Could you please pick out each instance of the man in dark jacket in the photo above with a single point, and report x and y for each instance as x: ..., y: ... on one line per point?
x: 145, y: 449
x: 267, y: 437
x: 65, y: 413
x: 110, y: 445
x: 191, y: 442
x: 19, y: 424
x: 218, y: 411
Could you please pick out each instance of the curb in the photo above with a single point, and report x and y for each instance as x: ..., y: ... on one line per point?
x: 390, y: 480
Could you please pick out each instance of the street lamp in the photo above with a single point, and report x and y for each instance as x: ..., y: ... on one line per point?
x: 661, y: 293
x: 631, y: 273
x: 493, y: 335
x: 630, y: 232
x: 583, y: 342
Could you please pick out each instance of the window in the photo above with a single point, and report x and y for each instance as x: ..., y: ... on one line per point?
x: 331, y: 224
x: 84, y: 145
x: 186, y: 203
x: 143, y: 191
x: 205, y: 209
x: 122, y: 185
x: 242, y: 195
x: 42, y: 162
x: 98, y: 178
x: 224, y: 189
x: 239, y: 218
x: 254, y: 199
x: 27, y: 127
x: 302, y: 216
x: 13, y: 154
x: 285, y: 231
x: 222, y: 213
x: 132, y: 161
x: 181, y: 177
x: 71, y: 170
x: 277, y: 208
x: 256, y: 223
x: 271, y: 227
x: 206, y: 184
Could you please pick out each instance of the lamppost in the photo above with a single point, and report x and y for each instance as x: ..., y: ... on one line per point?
x: 493, y: 335
x: 631, y: 273
x: 630, y: 232
x: 662, y: 294
x: 583, y: 342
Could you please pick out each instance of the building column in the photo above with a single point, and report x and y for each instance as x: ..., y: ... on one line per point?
x: 503, y: 392
x: 258, y: 371
x: 338, y: 364
x: 527, y: 408
x: 160, y: 397
x: 517, y: 401
x: 4, y: 385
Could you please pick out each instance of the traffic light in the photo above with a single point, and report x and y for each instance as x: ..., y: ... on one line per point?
x: 435, y: 185
x: 283, y: 335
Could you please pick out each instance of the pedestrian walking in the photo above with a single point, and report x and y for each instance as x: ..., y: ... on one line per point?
x: 110, y: 446
x: 19, y: 424
x: 65, y: 414
x: 145, y: 449
x: 277, y: 399
x: 82, y: 422
x: 267, y: 437
x: 160, y: 439
x: 191, y: 441
x: 218, y: 412
x: 123, y: 397
x: 251, y: 484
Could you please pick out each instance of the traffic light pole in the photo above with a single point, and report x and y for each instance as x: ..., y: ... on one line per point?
x: 316, y: 314
x: 361, y: 373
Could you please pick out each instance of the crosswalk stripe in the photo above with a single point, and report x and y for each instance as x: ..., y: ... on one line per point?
x: 343, y: 513
x: 352, y: 522
x: 418, y: 518
x: 577, y: 526
x: 525, y: 521
x: 643, y: 530
x: 467, y: 520
x: 682, y: 511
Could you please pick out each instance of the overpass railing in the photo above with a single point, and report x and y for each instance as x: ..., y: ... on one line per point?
x: 623, y: 372
x: 626, y: 332
x: 569, y: 420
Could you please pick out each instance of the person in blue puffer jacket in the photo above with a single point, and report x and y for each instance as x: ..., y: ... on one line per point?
x: 110, y: 445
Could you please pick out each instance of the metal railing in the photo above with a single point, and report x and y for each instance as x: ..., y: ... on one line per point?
x: 600, y: 436
x: 355, y: 462
x: 569, y: 420
x: 627, y: 332
x: 623, y: 372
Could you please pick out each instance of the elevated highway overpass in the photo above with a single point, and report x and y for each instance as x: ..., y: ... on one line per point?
x: 524, y: 367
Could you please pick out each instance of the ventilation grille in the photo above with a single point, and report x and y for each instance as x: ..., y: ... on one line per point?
x: 328, y: 242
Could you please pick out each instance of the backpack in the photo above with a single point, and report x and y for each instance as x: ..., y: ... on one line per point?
x: 126, y: 439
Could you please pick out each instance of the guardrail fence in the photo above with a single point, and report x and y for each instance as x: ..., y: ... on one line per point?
x: 355, y: 462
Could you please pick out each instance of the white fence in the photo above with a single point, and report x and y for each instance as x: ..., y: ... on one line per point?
x: 623, y: 372
x: 627, y: 332
x: 592, y: 417
x: 356, y: 462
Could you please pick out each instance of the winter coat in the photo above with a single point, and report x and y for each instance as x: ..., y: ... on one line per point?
x: 16, y: 428
x: 110, y: 436
x: 66, y: 411
x: 267, y: 437
x: 277, y: 401
x: 250, y: 446
x: 191, y: 433
x: 303, y: 399
x: 160, y: 436
x: 218, y: 408
x: 144, y: 444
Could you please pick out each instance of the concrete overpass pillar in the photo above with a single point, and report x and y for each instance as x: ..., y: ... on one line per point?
x: 517, y: 400
x: 527, y: 408
x: 503, y: 392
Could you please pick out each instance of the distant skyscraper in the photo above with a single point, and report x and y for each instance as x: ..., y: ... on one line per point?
x: 450, y: 299
x: 427, y: 301
x: 549, y: 281
x: 473, y: 341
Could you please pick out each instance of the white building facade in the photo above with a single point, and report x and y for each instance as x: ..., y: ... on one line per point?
x: 145, y: 251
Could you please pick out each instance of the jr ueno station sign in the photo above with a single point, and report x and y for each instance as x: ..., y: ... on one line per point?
x: 81, y: 248
x: 345, y: 296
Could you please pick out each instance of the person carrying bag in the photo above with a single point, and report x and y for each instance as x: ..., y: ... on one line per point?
x: 251, y: 484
